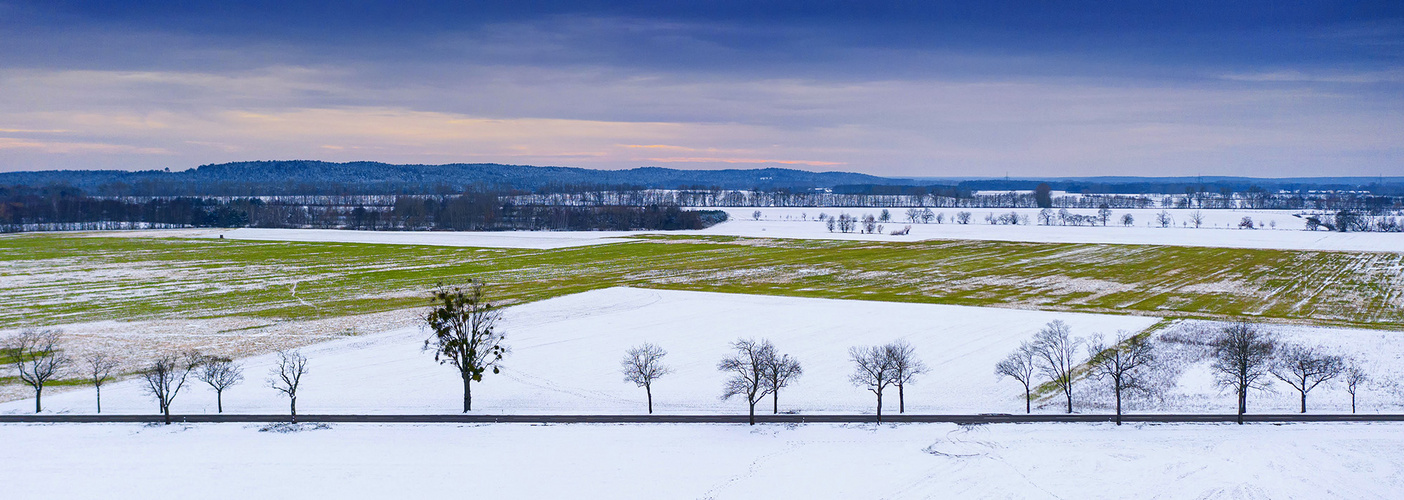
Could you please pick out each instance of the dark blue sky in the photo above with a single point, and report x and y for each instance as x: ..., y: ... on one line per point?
x: 891, y: 88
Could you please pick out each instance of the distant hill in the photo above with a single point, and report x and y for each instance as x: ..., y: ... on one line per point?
x: 318, y: 177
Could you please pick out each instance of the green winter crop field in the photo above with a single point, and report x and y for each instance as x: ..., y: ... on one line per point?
x: 48, y: 279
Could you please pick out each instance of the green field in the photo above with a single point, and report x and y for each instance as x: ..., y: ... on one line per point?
x: 64, y: 278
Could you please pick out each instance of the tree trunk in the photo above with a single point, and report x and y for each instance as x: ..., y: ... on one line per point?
x: 879, y: 408
x: 901, y: 400
x: 1242, y: 404
x: 753, y: 413
x: 1068, y: 392
x: 649, y: 390
x: 1118, y: 404
x: 99, y: 398
x: 293, y: 408
x: 1303, y: 401
x: 1352, y: 402
x: 38, y: 394
x: 166, y: 409
x: 219, y: 400
x: 467, y: 394
x: 1028, y: 400
x: 775, y: 403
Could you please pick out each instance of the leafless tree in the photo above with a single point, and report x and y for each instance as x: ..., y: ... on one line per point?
x: 748, y: 372
x: 780, y: 370
x: 1104, y: 214
x: 1164, y: 219
x: 962, y: 217
x: 1127, y: 220
x: 1241, y: 357
x: 98, y: 369
x: 927, y: 216
x: 869, y: 223
x: 1056, y: 353
x: 644, y: 364
x: 1354, y: 377
x: 872, y: 370
x: 829, y: 223
x: 1304, y: 368
x: 846, y: 223
x: 285, y: 377
x: 1197, y: 218
x: 905, y: 368
x: 38, y: 359
x: 756, y: 215
x: 1123, y: 363
x: 219, y: 373
x: 913, y: 215
x: 464, y: 323
x: 166, y: 377
x: 1020, y: 366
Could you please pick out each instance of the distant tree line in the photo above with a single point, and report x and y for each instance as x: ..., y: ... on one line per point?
x: 62, y: 208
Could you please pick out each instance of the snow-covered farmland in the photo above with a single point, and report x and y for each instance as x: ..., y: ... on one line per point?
x: 1219, y: 229
x: 816, y: 461
x: 566, y: 354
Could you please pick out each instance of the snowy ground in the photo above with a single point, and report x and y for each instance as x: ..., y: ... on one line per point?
x: 1084, y: 461
x: 1220, y: 229
x: 566, y: 354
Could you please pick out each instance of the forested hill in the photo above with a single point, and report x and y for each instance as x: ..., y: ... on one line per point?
x: 318, y: 177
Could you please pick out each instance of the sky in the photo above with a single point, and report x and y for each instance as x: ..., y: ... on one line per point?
x: 895, y: 88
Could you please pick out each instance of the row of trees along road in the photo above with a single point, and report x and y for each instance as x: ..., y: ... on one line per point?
x: 1244, y: 358
x: 39, y: 358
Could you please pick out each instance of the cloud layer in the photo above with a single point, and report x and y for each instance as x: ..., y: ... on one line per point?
x: 620, y: 86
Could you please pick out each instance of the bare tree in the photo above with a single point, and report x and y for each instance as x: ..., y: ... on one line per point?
x: 166, y: 376
x: 913, y: 215
x: 1354, y: 376
x: 1164, y: 219
x: 779, y: 372
x: 748, y: 372
x: 644, y: 364
x: 1127, y: 220
x: 1304, y: 368
x: 285, y: 377
x: 1123, y: 363
x: 465, y: 334
x: 962, y: 217
x: 98, y: 369
x: 905, y: 368
x: 1241, y: 356
x: 219, y: 373
x: 872, y: 370
x: 756, y: 215
x: 927, y: 216
x: 1056, y: 353
x: 38, y: 359
x: 1197, y: 218
x: 869, y: 223
x: 1020, y: 366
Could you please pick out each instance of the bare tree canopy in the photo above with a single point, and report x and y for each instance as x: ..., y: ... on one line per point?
x: 1304, y: 368
x: 748, y: 368
x: 1056, y: 353
x: 779, y: 372
x: 1124, y: 364
x: 464, y: 323
x: 166, y: 376
x: 872, y: 370
x: 286, y: 376
x: 38, y: 359
x: 905, y: 368
x: 1354, y: 377
x: 1020, y: 366
x: 644, y: 364
x: 219, y: 373
x: 98, y: 369
x: 1241, y: 356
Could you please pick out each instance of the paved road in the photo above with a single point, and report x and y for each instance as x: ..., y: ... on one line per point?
x: 703, y: 419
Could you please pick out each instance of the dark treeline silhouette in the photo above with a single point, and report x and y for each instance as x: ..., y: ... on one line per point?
x: 65, y: 208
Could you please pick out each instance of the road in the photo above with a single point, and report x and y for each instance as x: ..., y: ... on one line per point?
x: 704, y: 419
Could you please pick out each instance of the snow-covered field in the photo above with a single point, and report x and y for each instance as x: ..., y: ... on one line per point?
x: 566, y: 354
x: 1220, y: 229
x: 816, y: 461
